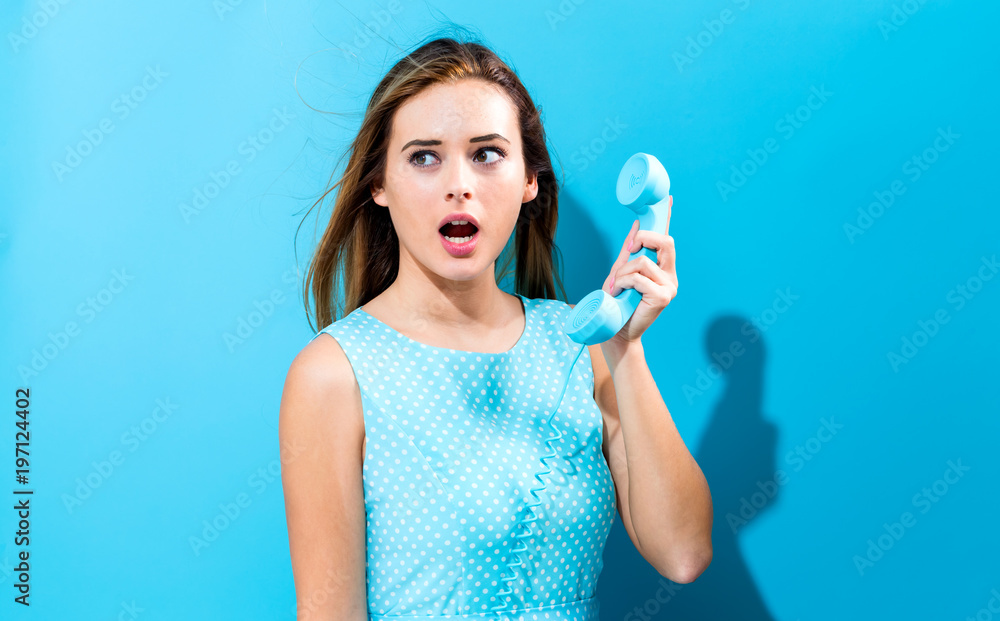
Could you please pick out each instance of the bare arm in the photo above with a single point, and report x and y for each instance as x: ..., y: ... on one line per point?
x: 321, y: 430
x: 666, y: 498
x: 688, y: 537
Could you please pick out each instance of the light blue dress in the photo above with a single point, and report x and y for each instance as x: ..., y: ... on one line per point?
x: 454, y: 442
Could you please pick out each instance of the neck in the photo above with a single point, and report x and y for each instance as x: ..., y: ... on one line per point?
x: 450, y: 304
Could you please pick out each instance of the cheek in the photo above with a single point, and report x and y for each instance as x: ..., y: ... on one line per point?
x: 503, y: 198
x: 409, y: 195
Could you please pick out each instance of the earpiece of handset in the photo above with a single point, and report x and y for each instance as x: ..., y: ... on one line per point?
x: 644, y: 187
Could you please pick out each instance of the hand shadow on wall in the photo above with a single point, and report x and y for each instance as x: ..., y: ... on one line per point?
x: 736, y: 452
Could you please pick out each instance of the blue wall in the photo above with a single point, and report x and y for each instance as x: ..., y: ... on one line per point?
x: 833, y: 168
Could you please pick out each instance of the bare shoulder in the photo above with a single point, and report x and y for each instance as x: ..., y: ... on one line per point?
x: 321, y: 393
x: 320, y: 368
x: 321, y: 432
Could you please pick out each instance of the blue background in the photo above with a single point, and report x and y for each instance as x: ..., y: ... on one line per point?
x: 105, y: 243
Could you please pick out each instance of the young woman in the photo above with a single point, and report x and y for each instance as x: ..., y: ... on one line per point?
x: 423, y: 480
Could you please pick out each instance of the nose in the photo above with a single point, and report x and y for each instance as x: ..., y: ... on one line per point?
x: 459, y: 186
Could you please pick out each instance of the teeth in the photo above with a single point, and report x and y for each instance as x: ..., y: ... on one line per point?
x: 459, y: 222
x: 458, y: 240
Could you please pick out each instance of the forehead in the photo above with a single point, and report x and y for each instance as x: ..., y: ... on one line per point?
x: 465, y: 107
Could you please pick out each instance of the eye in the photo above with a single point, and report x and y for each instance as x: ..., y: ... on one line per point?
x: 497, y: 150
x: 420, y: 154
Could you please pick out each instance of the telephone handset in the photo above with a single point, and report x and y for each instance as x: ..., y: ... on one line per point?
x: 644, y: 187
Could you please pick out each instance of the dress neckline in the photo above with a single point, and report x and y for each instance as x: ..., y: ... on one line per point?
x: 516, y: 347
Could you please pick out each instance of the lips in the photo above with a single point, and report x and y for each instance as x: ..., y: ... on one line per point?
x: 459, y: 239
x: 456, y: 246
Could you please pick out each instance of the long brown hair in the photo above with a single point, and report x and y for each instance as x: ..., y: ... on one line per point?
x: 360, y: 243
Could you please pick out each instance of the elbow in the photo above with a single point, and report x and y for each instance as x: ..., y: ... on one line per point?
x: 696, y: 566
x: 685, y: 568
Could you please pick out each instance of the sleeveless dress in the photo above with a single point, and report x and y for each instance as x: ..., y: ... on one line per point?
x: 454, y: 442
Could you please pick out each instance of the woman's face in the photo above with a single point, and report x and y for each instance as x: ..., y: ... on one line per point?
x: 455, y: 149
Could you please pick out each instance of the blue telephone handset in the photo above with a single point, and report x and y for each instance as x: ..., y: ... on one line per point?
x: 644, y: 187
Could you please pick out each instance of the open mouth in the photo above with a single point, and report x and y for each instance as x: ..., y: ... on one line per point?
x: 459, y: 231
x: 459, y: 237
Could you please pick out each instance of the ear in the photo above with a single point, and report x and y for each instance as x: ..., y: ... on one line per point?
x: 530, y: 188
x: 378, y: 195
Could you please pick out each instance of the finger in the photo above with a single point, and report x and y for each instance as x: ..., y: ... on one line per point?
x: 653, y: 293
x: 640, y: 239
x: 629, y: 240
x: 652, y: 240
x: 650, y: 290
x: 667, y: 255
x: 670, y: 205
x: 645, y: 266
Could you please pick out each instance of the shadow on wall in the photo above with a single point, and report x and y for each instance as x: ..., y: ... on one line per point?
x: 737, y: 450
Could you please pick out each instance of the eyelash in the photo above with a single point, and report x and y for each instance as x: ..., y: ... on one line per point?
x: 503, y: 154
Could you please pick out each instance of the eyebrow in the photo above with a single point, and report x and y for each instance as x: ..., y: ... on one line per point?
x: 430, y: 143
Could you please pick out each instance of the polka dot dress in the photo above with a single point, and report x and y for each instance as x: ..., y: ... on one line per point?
x: 454, y: 440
